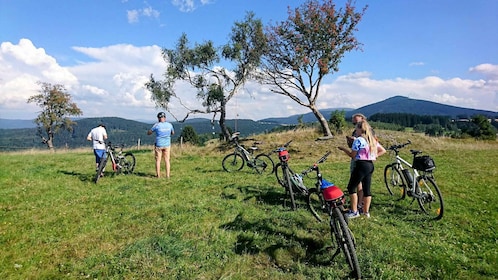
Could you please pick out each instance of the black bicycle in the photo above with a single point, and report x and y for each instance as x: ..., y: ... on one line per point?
x: 326, y: 199
x: 121, y: 162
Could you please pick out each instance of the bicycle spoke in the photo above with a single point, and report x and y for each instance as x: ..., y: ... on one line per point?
x: 394, y: 182
x: 430, y: 200
x: 232, y: 162
x: 264, y: 164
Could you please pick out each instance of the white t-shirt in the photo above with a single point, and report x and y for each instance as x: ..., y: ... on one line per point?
x: 98, y: 136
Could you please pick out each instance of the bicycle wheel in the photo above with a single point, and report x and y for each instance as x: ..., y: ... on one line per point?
x: 394, y: 181
x: 128, y: 163
x: 264, y: 164
x: 345, y: 240
x: 232, y: 162
x: 100, y: 169
x: 279, y: 173
x: 430, y: 200
x: 288, y: 186
x: 316, y: 204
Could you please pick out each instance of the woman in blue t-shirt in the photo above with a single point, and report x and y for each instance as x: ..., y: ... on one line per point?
x: 162, y: 146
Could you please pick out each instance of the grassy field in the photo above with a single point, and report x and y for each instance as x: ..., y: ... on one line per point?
x: 204, y: 223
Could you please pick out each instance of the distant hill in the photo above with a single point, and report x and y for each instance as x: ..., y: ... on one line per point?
x: 401, y: 104
x: 9, y: 124
x: 121, y: 131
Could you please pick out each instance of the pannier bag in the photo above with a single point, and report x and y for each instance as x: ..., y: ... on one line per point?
x: 424, y: 163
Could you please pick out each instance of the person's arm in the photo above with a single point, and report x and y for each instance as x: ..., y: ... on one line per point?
x: 350, y: 153
x: 89, y: 137
x: 149, y: 132
x: 380, y: 149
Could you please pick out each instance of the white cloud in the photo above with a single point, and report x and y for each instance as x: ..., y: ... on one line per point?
x: 149, y: 12
x: 112, y: 84
x: 488, y: 70
x: 189, y: 5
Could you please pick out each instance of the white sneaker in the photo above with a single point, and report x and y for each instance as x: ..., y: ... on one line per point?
x: 367, y: 214
x: 351, y: 215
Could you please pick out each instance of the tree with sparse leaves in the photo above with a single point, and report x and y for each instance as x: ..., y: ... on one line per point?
x: 306, y: 47
x: 215, y: 85
x: 189, y: 135
x: 56, y: 108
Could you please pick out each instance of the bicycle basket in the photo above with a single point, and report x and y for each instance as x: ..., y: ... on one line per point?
x: 330, y: 191
x: 283, y: 155
x: 424, y: 163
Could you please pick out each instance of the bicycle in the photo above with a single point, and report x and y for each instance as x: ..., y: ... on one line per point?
x: 324, y: 198
x: 121, y: 163
x: 294, y: 186
x: 403, y: 182
x: 235, y: 161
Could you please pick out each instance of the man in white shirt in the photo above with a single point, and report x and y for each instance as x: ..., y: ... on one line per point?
x: 98, y: 135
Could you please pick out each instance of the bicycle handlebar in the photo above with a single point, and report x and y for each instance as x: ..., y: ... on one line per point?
x: 314, y: 166
x: 397, y: 147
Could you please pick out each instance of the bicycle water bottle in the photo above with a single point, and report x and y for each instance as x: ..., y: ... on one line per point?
x: 408, y: 177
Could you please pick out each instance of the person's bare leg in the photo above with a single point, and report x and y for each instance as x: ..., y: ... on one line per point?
x: 158, y: 168
x: 354, y: 202
x: 367, y: 200
x: 166, y: 158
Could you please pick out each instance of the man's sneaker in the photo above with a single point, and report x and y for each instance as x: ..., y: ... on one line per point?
x: 367, y: 214
x: 351, y: 214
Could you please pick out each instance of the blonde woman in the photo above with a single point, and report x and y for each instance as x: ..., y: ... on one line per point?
x: 365, y: 150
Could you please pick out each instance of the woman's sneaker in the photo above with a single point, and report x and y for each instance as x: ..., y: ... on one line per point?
x: 367, y: 214
x: 351, y: 214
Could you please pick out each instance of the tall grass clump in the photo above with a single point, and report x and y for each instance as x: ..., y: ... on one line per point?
x: 204, y: 223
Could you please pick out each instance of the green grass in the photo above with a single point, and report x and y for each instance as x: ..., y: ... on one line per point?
x: 204, y: 223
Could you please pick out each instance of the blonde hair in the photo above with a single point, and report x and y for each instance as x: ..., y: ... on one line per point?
x: 367, y: 132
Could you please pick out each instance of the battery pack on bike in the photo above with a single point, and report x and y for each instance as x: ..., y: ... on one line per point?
x: 330, y: 191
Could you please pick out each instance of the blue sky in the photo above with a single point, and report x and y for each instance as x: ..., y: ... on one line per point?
x: 104, y: 51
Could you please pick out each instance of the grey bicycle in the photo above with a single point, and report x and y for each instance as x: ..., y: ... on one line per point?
x: 240, y: 157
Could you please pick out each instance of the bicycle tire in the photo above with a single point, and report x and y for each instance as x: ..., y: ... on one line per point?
x: 100, y: 169
x: 233, y: 162
x: 394, y: 181
x: 317, y: 204
x: 264, y: 164
x: 128, y: 163
x: 432, y: 201
x: 279, y: 173
x: 288, y: 186
x: 345, y: 240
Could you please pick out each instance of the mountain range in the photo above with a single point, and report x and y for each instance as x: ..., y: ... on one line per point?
x: 19, y: 134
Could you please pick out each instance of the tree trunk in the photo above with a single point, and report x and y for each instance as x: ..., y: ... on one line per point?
x: 223, y: 126
x: 323, y: 122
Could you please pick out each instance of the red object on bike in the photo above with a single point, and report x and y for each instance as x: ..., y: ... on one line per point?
x: 332, y: 193
x: 283, y: 155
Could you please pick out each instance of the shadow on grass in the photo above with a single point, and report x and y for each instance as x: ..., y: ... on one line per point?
x: 272, y: 237
x: 406, y: 209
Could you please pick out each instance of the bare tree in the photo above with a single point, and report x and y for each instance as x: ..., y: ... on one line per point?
x: 305, y: 48
x: 56, y: 108
x: 215, y: 85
